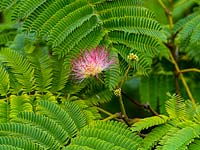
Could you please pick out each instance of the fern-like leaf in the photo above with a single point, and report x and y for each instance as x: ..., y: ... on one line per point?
x: 5, y: 4
x: 155, y: 82
x: 180, y: 24
x: 136, y: 41
x: 60, y: 75
x: 20, y: 66
x: 7, y: 36
x: 112, y: 75
x: 90, y: 111
x: 20, y: 143
x: 188, y: 36
x: 43, y: 69
x: 5, y: 82
x: 149, y: 122
x: 155, y: 135
x: 175, y: 107
x: 30, y: 132
x: 18, y: 104
x: 4, y: 112
x: 183, y: 138
x: 9, y: 147
x: 110, y: 135
x: 75, y: 113
x: 46, y: 124
x: 61, y: 116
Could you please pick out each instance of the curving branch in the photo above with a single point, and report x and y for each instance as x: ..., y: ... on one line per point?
x: 145, y: 106
x: 190, y: 70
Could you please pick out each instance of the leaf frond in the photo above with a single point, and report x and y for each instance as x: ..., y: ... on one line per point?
x: 20, y: 66
x: 100, y: 135
x: 149, y: 122
x: 175, y: 107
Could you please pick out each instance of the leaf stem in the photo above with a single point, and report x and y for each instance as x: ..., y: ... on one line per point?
x: 123, y: 110
x: 134, y: 120
x: 125, y: 76
x: 100, y: 80
x: 112, y: 117
x: 104, y: 111
x: 108, y: 113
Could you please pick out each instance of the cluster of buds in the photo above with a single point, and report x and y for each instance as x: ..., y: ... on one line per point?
x: 117, y: 92
x: 133, y: 57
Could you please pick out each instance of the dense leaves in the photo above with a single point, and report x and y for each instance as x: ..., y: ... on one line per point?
x: 56, y: 92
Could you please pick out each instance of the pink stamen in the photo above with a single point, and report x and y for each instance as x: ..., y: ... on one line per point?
x: 91, y: 63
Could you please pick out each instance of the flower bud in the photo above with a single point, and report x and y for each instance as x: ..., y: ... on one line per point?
x: 117, y: 92
x: 133, y: 57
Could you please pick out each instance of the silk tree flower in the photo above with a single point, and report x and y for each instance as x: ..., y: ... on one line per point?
x: 91, y: 63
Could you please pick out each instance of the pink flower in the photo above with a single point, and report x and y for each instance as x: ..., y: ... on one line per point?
x: 91, y: 63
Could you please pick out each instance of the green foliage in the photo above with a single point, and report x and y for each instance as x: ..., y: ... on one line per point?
x: 4, y: 86
x: 43, y: 69
x: 4, y: 113
x: 42, y: 103
x: 4, y: 4
x: 21, y: 68
x: 155, y: 135
x: 149, y: 122
x: 7, y: 36
x: 45, y: 73
x: 176, y: 131
x: 155, y: 92
x: 175, y: 107
x: 19, y: 103
x: 188, y: 35
x: 90, y: 23
x: 110, y: 135
x: 113, y: 74
x: 60, y: 75
x: 51, y: 126
x: 19, y: 143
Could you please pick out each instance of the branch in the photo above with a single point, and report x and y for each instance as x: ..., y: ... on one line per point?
x: 145, y: 106
x: 171, y: 48
x: 190, y: 70
x: 183, y: 79
x: 168, y: 13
